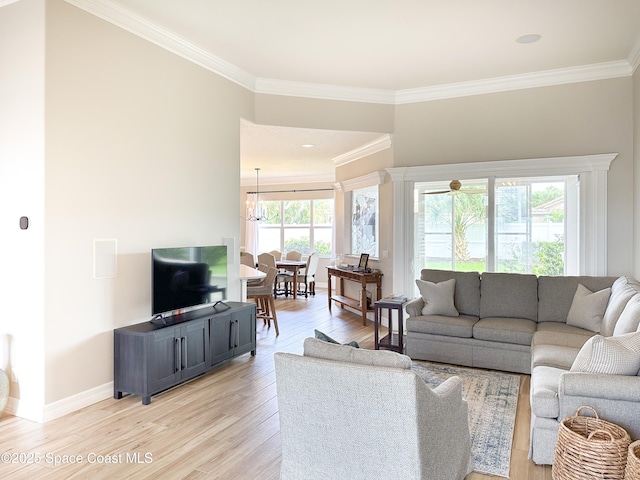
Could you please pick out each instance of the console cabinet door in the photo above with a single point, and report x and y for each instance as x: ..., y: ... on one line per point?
x: 221, y: 338
x: 245, y: 331
x: 163, y: 362
x: 194, y: 348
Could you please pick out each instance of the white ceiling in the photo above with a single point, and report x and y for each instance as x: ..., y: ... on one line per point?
x: 384, y: 50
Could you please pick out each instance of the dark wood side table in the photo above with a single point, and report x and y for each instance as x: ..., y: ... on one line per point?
x: 390, y: 341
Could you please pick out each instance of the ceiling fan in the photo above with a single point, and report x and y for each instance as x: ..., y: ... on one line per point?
x: 456, y: 187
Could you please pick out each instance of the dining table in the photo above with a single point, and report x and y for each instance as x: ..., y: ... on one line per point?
x: 292, y: 266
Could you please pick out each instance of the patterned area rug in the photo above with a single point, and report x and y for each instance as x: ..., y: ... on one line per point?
x: 492, y: 398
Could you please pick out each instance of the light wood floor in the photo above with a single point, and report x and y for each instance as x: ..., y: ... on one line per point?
x: 223, y: 425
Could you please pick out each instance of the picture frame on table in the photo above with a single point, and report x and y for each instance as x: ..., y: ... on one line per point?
x: 364, y: 261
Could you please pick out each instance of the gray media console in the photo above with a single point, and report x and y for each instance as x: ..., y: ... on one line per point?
x: 151, y: 357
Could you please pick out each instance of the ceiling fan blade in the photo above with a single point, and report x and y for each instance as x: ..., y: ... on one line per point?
x: 472, y: 191
x: 436, y: 193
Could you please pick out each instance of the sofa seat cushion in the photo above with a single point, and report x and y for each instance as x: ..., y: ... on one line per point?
x: 557, y: 356
x: 552, y: 333
x: 506, y: 330
x: 544, y: 391
x: 461, y: 326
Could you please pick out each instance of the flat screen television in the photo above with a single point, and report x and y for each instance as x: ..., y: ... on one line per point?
x: 187, y: 277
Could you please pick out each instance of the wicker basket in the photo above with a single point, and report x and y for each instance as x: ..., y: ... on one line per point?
x: 590, y: 448
x: 633, y: 462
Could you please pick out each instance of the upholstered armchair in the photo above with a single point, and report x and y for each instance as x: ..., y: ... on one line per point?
x: 353, y: 414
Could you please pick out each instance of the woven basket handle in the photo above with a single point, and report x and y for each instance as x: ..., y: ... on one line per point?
x: 600, y: 431
x: 590, y: 408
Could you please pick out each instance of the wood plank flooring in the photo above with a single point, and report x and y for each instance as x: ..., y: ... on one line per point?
x: 223, y: 425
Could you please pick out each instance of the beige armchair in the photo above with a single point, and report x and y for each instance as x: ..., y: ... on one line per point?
x: 354, y: 414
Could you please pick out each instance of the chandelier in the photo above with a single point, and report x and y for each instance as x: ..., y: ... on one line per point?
x: 254, y: 212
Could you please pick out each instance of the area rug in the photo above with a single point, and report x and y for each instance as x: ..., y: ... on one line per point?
x: 492, y: 398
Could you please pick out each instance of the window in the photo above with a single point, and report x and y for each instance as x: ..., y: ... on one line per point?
x: 364, y: 221
x: 302, y: 225
x: 524, y: 232
x: 585, y: 222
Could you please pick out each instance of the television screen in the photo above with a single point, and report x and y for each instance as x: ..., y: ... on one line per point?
x: 188, y: 277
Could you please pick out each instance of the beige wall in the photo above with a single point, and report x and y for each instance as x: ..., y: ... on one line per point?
x: 577, y: 119
x: 142, y: 146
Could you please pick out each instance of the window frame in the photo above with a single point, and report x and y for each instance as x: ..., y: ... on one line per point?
x: 282, y: 226
x: 591, y: 169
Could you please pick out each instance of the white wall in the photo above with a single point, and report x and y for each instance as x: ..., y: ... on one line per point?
x: 22, y: 194
x: 636, y: 172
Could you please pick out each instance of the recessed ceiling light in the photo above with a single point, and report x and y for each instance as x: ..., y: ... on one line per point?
x: 529, y: 38
x: 308, y: 145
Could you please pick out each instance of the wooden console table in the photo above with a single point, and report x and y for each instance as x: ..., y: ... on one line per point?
x: 359, y: 277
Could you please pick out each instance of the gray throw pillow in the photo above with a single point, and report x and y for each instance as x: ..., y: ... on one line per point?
x: 610, y: 355
x: 587, y: 308
x: 438, y: 297
x: 326, y: 338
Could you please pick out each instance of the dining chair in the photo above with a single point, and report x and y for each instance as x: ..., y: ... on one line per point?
x: 293, y: 255
x: 267, y: 259
x: 247, y: 259
x: 262, y: 293
x: 306, y: 277
x: 277, y: 254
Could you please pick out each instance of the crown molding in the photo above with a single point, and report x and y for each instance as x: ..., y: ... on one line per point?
x: 137, y: 25
x: 375, y: 146
x: 634, y: 56
x: 369, y: 180
x: 132, y: 23
x: 271, y: 86
x: 288, y: 180
x: 584, y: 73
x: 521, y: 167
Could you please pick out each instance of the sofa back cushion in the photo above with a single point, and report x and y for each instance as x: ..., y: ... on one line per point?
x: 509, y: 295
x: 555, y: 294
x: 467, y: 292
x: 629, y: 320
x: 621, y: 292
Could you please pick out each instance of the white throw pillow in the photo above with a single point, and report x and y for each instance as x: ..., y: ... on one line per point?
x: 587, y: 308
x: 612, y: 355
x: 438, y: 297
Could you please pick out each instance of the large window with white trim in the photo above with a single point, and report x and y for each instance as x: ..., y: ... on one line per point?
x: 302, y: 225
x: 513, y: 230
x: 499, y: 224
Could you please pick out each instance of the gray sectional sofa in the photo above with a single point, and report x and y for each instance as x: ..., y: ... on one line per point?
x: 554, y: 328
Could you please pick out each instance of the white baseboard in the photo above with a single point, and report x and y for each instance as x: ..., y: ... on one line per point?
x: 45, y: 413
x: 77, y: 401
